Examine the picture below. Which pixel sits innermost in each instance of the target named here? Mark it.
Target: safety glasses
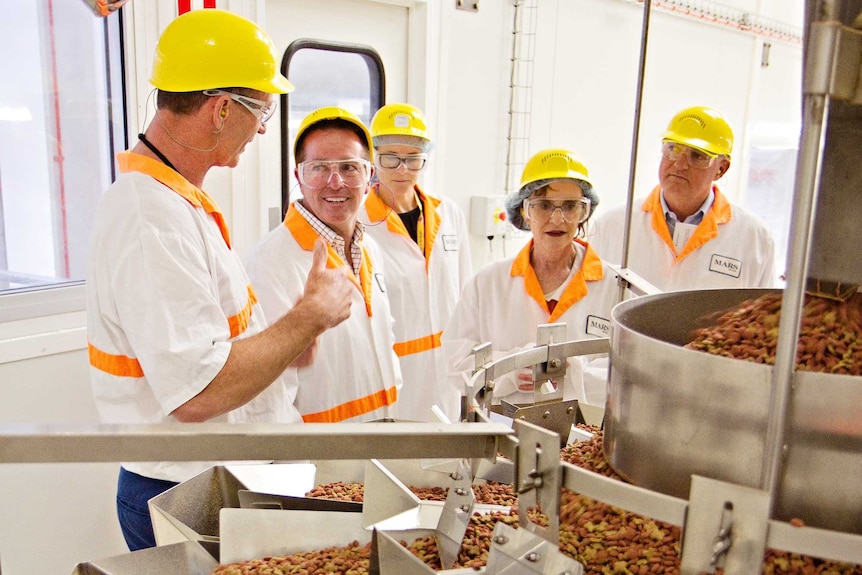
(260, 109)
(394, 161)
(695, 158)
(575, 210)
(317, 173)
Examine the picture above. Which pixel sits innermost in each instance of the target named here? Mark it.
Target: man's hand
(327, 292)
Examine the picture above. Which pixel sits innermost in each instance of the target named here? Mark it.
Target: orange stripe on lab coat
(354, 408)
(239, 323)
(417, 345)
(119, 365)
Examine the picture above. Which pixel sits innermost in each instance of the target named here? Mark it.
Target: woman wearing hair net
(556, 278)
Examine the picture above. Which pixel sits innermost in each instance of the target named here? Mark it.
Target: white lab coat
(730, 248)
(166, 296)
(355, 375)
(504, 304)
(423, 290)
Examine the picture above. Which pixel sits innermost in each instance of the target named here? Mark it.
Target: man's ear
(725, 165)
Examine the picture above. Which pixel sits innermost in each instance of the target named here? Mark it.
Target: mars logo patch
(598, 326)
(726, 266)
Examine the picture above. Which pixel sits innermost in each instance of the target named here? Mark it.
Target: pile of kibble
(830, 333)
(607, 540)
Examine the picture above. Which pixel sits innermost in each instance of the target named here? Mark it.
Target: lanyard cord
(156, 151)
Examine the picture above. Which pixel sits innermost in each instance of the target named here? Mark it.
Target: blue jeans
(133, 492)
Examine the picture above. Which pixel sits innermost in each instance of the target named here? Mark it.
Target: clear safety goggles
(260, 109)
(695, 158)
(393, 161)
(575, 210)
(317, 173)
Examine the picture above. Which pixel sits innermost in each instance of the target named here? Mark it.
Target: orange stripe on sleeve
(354, 408)
(119, 365)
(239, 322)
(418, 345)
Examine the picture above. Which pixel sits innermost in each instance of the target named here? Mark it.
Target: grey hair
(515, 201)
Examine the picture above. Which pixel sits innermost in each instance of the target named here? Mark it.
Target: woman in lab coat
(555, 278)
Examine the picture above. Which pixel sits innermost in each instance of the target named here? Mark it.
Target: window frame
(377, 98)
(69, 296)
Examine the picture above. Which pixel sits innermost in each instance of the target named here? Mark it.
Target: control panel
(488, 216)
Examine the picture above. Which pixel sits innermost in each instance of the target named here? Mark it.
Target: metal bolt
(455, 476)
(570, 410)
(500, 539)
(554, 363)
(532, 556)
(546, 415)
(460, 491)
(465, 508)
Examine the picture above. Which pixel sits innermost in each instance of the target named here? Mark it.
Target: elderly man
(686, 234)
(174, 328)
(352, 372)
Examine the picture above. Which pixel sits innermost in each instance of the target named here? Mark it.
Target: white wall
(54, 516)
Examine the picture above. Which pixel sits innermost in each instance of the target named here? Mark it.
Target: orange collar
(379, 211)
(720, 213)
(305, 235)
(591, 269)
(129, 161)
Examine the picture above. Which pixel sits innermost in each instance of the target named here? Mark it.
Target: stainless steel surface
(26, 443)
(538, 478)
(188, 558)
(520, 552)
(736, 516)
(832, 70)
(673, 413)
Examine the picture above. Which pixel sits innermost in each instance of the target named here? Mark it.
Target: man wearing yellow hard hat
(351, 373)
(174, 328)
(425, 244)
(686, 234)
(555, 278)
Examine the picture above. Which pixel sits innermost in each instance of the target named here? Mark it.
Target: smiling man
(350, 373)
(686, 234)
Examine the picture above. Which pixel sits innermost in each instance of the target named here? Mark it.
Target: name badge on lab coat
(598, 326)
(450, 243)
(725, 265)
(380, 283)
(681, 233)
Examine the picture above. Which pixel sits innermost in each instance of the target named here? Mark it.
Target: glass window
(61, 121)
(349, 76)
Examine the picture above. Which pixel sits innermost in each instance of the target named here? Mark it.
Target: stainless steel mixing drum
(675, 412)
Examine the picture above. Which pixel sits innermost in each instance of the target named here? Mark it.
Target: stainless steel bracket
(725, 527)
(538, 478)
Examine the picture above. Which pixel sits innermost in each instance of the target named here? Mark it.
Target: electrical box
(488, 216)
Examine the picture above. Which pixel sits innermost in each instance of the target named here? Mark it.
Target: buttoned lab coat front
(166, 296)
(504, 304)
(355, 375)
(730, 248)
(423, 290)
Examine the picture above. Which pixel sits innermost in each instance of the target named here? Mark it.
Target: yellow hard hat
(332, 113)
(703, 128)
(554, 163)
(540, 169)
(208, 49)
(400, 124)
